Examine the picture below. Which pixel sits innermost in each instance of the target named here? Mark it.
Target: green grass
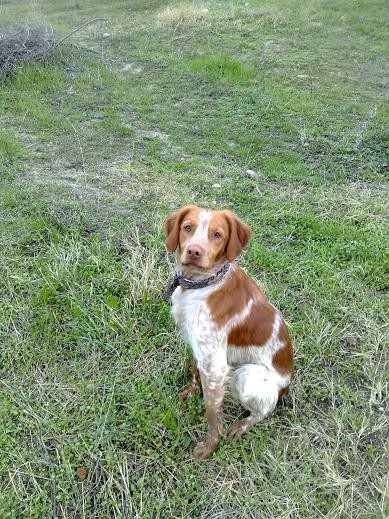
(97, 146)
(221, 66)
(10, 148)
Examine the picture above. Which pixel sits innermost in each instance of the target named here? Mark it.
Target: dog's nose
(195, 251)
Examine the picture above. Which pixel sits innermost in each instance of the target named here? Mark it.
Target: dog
(238, 338)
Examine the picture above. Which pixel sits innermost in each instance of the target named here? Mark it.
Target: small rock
(132, 68)
(216, 186)
(251, 173)
(106, 35)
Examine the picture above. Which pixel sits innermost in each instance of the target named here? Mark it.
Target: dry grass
(95, 156)
(183, 14)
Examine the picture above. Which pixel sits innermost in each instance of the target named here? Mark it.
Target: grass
(221, 66)
(148, 112)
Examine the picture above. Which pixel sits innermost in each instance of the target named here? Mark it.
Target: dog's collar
(180, 280)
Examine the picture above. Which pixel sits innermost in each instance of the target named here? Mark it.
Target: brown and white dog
(236, 335)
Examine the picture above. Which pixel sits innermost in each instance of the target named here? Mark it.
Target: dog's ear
(172, 227)
(240, 234)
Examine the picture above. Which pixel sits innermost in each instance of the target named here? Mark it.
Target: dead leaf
(82, 473)
(351, 341)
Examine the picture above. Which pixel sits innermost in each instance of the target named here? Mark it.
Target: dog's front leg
(213, 377)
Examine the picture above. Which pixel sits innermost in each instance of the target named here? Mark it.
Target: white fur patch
(200, 236)
(208, 341)
(257, 388)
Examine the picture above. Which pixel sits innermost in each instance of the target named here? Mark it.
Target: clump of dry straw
(23, 45)
(28, 43)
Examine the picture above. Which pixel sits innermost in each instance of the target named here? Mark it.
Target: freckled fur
(237, 337)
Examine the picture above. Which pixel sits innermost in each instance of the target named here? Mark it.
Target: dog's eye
(217, 235)
(188, 228)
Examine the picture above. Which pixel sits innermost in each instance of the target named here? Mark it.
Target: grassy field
(275, 110)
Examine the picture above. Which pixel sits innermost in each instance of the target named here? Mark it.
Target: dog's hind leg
(258, 389)
(194, 387)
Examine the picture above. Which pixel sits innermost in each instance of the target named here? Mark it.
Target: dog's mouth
(193, 265)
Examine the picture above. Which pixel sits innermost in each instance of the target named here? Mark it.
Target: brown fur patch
(240, 234)
(283, 391)
(172, 226)
(232, 297)
(283, 359)
(256, 328)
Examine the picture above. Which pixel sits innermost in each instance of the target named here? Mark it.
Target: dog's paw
(186, 395)
(238, 429)
(203, 450)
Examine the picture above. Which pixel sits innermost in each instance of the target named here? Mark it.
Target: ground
(275, 110)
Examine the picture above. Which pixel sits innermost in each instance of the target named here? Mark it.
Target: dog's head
(205, 238)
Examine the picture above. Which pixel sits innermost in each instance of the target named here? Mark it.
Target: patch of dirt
(151, 134)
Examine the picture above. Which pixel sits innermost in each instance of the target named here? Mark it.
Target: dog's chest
(193, 317)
